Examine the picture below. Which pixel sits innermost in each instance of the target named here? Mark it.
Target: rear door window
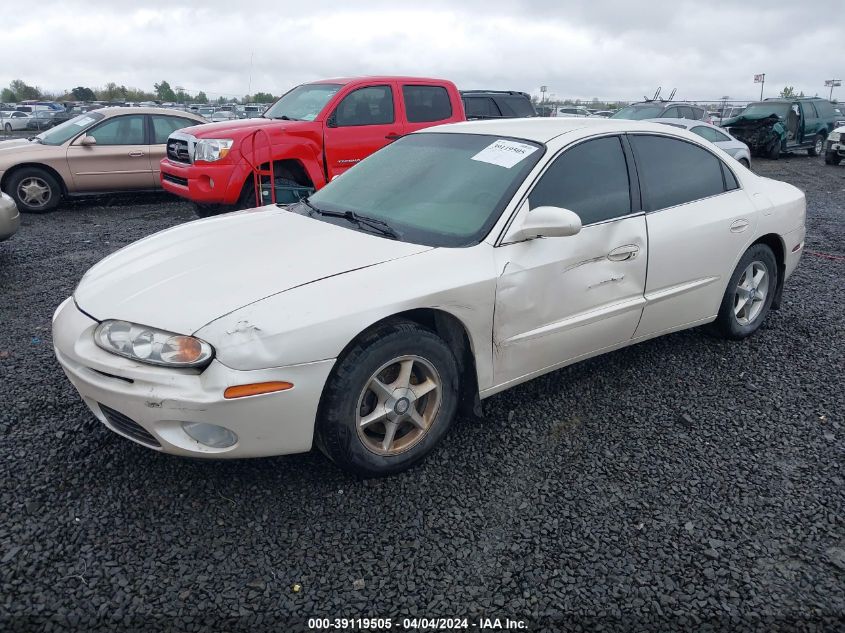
(714, 136)
(674, 172)
(164, 126)
(590, 179)
(672, 113)
(424, 104)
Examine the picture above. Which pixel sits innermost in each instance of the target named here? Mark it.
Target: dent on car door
(562, 298)
(699, 223)
(119, 160)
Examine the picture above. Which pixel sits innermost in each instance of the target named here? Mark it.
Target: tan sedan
(102, 151)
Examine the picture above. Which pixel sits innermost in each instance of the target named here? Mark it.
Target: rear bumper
(148, 404)
(204, 184)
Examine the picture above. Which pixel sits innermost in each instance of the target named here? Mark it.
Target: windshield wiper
(285, 117)
(380, 226)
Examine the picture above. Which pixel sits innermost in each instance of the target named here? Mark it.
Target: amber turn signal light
(241, 391)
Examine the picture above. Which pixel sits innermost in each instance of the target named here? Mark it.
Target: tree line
(19, 90)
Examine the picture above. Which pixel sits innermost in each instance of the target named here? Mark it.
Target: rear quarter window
(516, 106)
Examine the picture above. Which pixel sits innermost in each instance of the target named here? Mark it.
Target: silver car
(10, 219)
(716, 135)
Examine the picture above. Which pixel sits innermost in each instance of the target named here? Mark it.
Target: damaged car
(776, 126)
(457, 262)
(835, 147)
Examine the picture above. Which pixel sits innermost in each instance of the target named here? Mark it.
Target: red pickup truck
(312, 134)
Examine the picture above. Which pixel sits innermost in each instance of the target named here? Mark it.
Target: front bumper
(10, 217)
(835, 147)
(208, 183)
(160, 399)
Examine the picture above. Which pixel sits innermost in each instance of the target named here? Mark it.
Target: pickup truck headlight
(212, 149)
(149, 345)
(836, 137)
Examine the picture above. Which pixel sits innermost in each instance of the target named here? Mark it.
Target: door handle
(739, 226)
(136, 154)
(393, 136)
(623, 253)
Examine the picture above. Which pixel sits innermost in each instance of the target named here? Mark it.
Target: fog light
(210, 434)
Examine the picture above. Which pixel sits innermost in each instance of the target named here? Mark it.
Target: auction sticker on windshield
(84, 121)
(504, 153)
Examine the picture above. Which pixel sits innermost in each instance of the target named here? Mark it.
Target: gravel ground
(687, 483)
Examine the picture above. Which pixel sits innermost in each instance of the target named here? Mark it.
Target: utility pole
(249, 87)
(543, 98)
(760, 79)
(832, 83)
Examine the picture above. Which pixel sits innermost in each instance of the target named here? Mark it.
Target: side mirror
(87, 140)
(546, 222)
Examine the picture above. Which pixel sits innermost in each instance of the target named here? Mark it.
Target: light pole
(832, 83)
(543, 93)
(760, 79)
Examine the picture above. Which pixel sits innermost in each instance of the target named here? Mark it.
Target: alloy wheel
(398, 405)
(751, 292)
(819, 145)
(34, 192)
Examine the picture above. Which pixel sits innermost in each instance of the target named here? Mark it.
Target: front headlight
(149, 345)
(836, 137)
(212, 149)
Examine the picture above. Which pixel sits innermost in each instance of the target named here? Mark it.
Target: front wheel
(389, 400)
(831, 158)
(35, 190)
(818, 146)
(745, 163)
(749, 294)
(8, 128)
(774, 151)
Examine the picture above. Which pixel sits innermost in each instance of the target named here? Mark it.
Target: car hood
(184, 277)
(242, 127)
(19, 145)
(750, 119)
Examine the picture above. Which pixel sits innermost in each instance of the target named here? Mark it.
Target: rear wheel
(831, 158)
(818, 146)
(749, 294)
(389, 400)
(35, 190)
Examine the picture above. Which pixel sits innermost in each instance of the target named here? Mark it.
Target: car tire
(818, 146)
(774, 151)
(34, 190)
(207, 210)
(8, 128)
(831, 158)
(745, 163)
(749, 294)
(370, 422)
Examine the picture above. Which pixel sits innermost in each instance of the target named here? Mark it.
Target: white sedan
(14, 120)
(455, 263)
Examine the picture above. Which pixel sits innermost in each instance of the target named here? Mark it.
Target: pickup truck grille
(177, 150)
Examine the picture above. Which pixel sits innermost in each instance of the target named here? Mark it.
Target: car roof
(543, 130)
(117, 110)
(377, 78)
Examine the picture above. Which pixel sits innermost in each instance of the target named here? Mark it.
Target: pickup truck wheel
(749, 294)
(389, 400)
(35, 190)
(818, 146)
(207, 210)
(831, 158)
(774, 151)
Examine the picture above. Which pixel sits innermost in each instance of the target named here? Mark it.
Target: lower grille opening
(177, 179)
(128, 426)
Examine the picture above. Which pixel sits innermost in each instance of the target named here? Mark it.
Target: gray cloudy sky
(579, 48)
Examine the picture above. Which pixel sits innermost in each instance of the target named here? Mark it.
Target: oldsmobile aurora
(451, 265)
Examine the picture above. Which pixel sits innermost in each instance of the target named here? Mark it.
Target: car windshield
(639, 112)
(765, 109)
(432, 188)
(67, 130)
(303, 103)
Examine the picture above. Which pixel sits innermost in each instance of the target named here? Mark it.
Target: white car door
(563, 298)
(699, 223)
